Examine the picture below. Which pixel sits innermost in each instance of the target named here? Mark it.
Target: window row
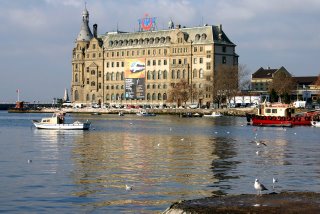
(150, 96)
(146, 41)
(143, 52)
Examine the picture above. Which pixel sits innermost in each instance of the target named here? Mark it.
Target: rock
(286, 202)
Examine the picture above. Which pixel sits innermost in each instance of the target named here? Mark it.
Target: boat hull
(315, 123)
(70, 126)
(279, 121)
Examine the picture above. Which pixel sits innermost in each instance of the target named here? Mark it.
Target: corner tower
(78, 58)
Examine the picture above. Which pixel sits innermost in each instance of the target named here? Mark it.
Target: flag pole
(18, 91)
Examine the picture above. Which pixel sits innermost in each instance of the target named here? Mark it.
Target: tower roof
(85, 32)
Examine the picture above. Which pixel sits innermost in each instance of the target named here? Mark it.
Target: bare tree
(226, 83)
(282, 84)
(180, 92)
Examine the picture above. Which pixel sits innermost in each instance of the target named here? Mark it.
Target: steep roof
(198, 35)
(307, 80)
(264, 73)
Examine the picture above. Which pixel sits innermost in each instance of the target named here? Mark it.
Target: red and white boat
(279, 114)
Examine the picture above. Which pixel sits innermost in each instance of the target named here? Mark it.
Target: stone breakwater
(226, 111)
(285, 202)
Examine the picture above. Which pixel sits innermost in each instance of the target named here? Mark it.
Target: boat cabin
(57, 118)
(275, 110)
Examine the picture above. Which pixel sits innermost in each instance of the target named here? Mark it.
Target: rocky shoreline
(285, 202)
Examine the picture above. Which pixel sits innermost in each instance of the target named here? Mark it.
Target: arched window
(184, 74)
(154, 75)
(154, 96)
(164, 86)
(113, 97)
(76, 78)
(93, 72)
(108, 97)
(93, 83)
(201, 74)
(159, 74)
(87, 97)
(148, 96)
(165, 74)
(107, 76)
(93, 97)
(164, 96)
(112, 76)
(173, 74)
(118, 76)
(149, 75)
(195, 73)
(122, 75)
(122, 96)
(178, 74)
(76, 95)
(117, 97)
(159, 96)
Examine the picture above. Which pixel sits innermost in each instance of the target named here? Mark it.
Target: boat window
(274, 111)
(268, 110)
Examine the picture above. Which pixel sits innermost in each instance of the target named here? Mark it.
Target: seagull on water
(258, 142)
(128, 187)
(274, 181)
(259, 187)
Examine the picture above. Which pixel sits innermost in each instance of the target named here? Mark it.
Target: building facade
(142, 67)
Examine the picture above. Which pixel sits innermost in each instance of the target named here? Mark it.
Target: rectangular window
(112, 64)
(201, 49)
(194, 60)
(87, 80)
(122, 64)
(144, 52)
(154, 62)
(112, 54)
(117, 64)
(174, 61)
(94, 46)
(208, 66)
(201, 60)
(195, 49)
(107, 64)
(224, 49)
(159, 62)
(165, 62)
(224, 60)
(117, 53)
(148, 62)
(185, 61)
(179, 61)
(94, 55)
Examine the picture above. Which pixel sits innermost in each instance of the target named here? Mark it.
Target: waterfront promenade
(168, 111)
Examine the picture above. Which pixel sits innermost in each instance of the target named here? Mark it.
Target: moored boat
(213, 114)
(278, 114)
(145, 114)
(57, 121)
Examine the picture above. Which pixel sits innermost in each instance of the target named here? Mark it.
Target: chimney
(95, 29)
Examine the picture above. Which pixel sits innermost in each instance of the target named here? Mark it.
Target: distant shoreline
(167, 111)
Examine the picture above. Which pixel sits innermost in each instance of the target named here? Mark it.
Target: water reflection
(166, 159)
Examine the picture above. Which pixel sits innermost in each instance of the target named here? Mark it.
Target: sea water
(164, 158)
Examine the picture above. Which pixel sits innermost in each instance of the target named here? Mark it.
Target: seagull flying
(259, 187)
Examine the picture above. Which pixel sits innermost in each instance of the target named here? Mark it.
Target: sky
(37, 36)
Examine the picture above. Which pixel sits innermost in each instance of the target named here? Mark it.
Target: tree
(181, 92)
(282, 84)
(225, 83)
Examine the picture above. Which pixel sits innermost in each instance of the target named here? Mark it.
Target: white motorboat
(145, 114)
(57, 121)
(315, 123)
(213, 114)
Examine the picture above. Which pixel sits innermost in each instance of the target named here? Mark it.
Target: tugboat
(279, 114)
(57, 121)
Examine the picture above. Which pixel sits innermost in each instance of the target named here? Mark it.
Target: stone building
(142, 67)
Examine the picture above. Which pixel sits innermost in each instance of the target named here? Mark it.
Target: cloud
(73, 3)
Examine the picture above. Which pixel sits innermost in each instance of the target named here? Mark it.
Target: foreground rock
(286, 202)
